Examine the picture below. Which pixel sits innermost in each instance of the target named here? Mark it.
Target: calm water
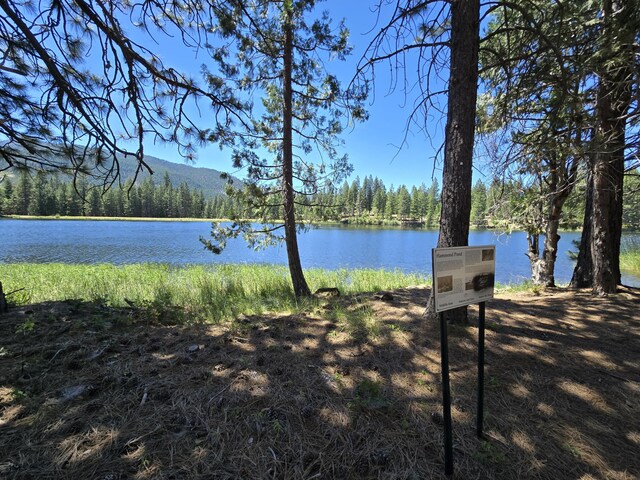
(122, 242)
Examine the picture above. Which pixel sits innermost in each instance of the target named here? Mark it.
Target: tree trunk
(612, 104)
(607, 225)
(300, 287)
(459, 134)
(543, 266)
(550, 248)
(4, 306)
(537, 263)
(583, 271)
(605, 245)
(562, 180)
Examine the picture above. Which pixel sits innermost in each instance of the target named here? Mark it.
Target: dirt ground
(350, 389)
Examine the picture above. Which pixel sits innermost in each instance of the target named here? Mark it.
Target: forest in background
(502, 205)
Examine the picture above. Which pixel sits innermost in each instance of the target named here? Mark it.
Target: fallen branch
(621, 377)
(14, 291)
(144, 396)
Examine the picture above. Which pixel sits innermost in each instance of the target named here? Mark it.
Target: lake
(329, 247)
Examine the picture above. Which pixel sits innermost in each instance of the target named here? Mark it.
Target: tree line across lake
(503, 205)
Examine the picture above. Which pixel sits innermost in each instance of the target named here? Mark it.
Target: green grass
(630, 258)
(209, 293)
(525, 286)
(357, 320)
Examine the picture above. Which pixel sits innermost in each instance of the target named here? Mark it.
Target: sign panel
(463, 275)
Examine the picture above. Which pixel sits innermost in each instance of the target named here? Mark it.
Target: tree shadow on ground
(350, 389)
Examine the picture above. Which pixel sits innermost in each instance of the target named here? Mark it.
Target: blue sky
(374, 147)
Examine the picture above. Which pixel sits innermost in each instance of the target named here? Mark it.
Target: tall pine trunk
(606, 231)
(300, 287)
(607, 166)
(583, 271)
(460, 129)
(551, 238)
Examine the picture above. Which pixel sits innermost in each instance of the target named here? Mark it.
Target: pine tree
(433, 199)
(403, 202)
(21, 195)
(38, 195)
(281, 54)
(479, 204)
(6, 207)
(390, 204)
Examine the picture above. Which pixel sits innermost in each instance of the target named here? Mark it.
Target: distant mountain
(198, 178)
(206, 179)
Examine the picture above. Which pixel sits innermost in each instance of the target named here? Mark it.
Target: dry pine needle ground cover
(349, 390)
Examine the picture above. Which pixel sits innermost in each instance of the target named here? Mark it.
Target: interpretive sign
(463, 275)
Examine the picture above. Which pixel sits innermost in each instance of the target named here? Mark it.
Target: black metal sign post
(446, 398)
(480, 410)
(461, 276)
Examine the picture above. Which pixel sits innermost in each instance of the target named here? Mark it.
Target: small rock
(194, 348)
(71, 393)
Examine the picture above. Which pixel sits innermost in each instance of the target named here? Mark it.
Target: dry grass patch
(348, 389)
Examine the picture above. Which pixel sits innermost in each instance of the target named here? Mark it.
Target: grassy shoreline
(208, 293)
(630, 260)
(197, 293)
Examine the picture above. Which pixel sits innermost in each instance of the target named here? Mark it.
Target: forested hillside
(503, 206)
(45, 195)
(197, 178)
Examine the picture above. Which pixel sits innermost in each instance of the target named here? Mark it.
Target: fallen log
(327, 292)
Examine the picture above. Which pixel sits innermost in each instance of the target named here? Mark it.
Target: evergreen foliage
(495, 205)
(49, 195)
(280, 53)
(75, 85)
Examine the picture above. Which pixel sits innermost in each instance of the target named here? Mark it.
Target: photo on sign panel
(445, 283)
(488, 254)
(482, 281)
